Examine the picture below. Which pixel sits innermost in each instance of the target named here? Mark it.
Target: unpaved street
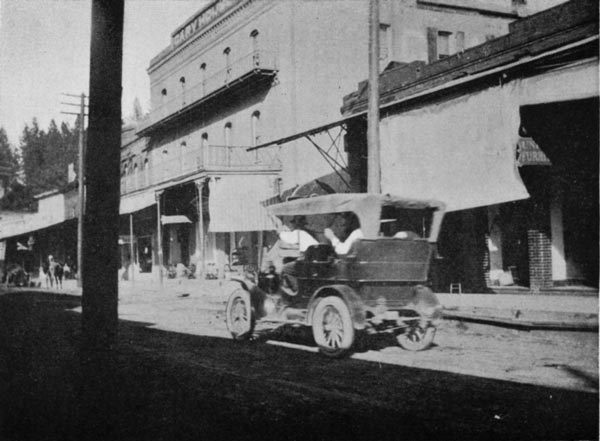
(564, 359)
(165, 384)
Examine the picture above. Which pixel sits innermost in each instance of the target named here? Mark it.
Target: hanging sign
(529, 153)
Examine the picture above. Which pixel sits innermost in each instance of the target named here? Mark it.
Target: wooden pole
(131, 249)
(159, 250)
(374, 164)
(81, 191)
(200, 188)
(101, 221)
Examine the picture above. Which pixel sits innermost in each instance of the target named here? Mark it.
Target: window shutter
(432, 52)
(460, 41)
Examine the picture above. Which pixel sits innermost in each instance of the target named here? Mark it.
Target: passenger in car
(344, 223)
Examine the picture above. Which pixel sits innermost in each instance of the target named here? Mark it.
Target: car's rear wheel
(332, 326)
(239, 317)
(416, 337)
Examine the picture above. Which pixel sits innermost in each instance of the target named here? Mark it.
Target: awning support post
(132, 263)
(159, 249)
(201, 251)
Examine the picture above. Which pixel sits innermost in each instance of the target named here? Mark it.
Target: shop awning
(175, 219)
(461, 152)
(136, 202)
(27, 223)
(235, 203)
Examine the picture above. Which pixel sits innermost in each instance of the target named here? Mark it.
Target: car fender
(247, 284)
(354, 302)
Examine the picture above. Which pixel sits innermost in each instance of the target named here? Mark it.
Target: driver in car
(298, 236)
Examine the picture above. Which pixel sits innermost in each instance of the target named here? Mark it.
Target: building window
(440, 44)
(146, 172)
(203, 78)
(227, 134)
(255, 55)
(163, 96)
(227, 55)
(443, 44)
(182, 82)
(135, 175)
(255, 128)
(182, 154)
(384, 45)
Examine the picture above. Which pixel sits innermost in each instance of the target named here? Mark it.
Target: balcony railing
(257, 63)
(213, 158)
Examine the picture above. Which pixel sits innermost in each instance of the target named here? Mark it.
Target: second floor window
(182, 83)
(443, 44)
(203, 77)
(255, 122)
(227, 134)
(255, 56)
(227, 55)
(384, 45)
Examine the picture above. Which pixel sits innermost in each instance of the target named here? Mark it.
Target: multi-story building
(243, 73)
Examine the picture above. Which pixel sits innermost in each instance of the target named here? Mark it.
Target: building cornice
(218, 14)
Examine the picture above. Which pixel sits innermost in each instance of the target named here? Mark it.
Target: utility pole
(373, 149)
(100, 283)
(80, 180)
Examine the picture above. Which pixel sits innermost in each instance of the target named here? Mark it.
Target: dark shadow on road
(590, 381)
(158, 385)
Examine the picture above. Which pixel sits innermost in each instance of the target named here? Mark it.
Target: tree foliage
(42, 162)
(46, 155)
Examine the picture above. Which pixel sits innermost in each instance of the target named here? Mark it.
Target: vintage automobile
(378, 286)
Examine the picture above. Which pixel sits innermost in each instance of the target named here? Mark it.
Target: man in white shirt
(344, 222)
(300, 238)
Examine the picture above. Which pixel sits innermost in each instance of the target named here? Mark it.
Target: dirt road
(164, 385)
(563, 359)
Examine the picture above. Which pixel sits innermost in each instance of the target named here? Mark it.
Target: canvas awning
(175, 219)
(28, 223)
(132, 203)
(461, 152)
(235, 203)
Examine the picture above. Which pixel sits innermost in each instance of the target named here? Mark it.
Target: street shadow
(589, 380)
(160, 385)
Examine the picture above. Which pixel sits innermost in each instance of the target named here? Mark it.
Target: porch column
(200, 246)
(132, 263)
(559, 262)
(159, 249)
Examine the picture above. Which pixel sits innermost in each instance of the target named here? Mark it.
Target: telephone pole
(374, 160)
(80, 180)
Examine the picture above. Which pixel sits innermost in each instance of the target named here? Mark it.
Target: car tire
(416, 338)
(239, 316)
(332, 326)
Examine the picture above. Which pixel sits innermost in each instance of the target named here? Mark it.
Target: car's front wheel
(332, 326)
(239, 317)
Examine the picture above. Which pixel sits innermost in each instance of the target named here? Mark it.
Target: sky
(45, 47)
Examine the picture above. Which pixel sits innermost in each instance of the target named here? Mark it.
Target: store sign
(529, 153)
